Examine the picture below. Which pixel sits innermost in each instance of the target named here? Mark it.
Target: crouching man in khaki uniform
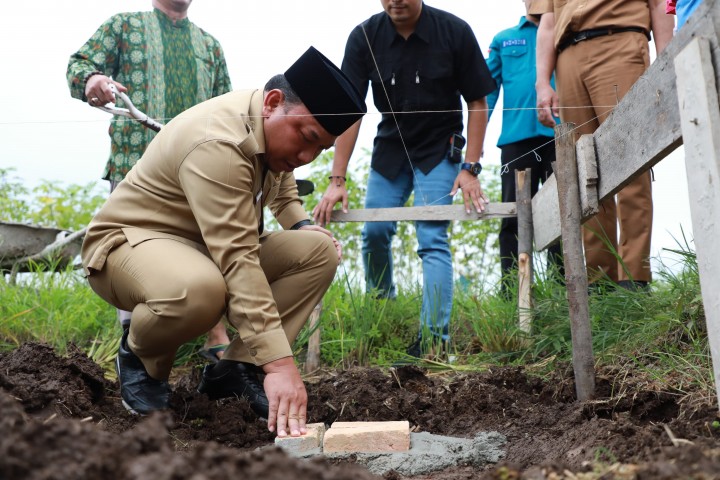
(180, 242)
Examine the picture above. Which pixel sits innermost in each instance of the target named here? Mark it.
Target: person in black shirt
(419, 60)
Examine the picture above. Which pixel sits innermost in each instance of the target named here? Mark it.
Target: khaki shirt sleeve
(538, 7)
(287, 207)
(218, 181)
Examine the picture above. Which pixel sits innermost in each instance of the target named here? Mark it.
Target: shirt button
(253, 352)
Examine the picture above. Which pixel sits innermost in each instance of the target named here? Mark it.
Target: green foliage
(52, 308)
(12, 191)
(66, 207)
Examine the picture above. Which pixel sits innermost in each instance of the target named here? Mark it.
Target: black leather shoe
(141, 394)
(634, 286)
(229, 378)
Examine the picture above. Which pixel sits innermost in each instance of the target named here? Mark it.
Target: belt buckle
(580, 37)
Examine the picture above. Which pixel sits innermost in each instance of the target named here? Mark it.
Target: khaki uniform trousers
(592, 76)
(176, 292)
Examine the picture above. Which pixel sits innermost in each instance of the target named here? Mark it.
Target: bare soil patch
(61, 419)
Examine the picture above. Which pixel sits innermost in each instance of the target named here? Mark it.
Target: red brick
(367, 437)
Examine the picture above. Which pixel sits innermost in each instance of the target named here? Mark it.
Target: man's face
(403, 12)
(293, 137)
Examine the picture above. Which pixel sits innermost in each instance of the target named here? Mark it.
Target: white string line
(121, 118)
(504, 169)
(397, 125)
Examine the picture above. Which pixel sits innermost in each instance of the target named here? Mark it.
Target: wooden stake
(312, 361)
(700, 122)
(523, 196)
(566, 172)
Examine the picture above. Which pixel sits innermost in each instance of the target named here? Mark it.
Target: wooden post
(566, 172)
(700, 122)
(523, 196)
(312, 360)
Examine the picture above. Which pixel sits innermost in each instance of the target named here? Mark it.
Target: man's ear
(272, 100)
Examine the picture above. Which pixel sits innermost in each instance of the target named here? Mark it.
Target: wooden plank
(523, 195)
(546, 219)
(587, 176)
(434, 212)
(700, 114)
(575, 274)
(642, 130)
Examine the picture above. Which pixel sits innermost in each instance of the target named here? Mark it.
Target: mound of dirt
(62, 419)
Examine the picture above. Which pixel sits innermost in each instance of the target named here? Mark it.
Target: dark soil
(61, 419)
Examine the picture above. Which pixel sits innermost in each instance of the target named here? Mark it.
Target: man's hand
(471, 190)
(548, 105)
(287, 398)
(97, 90)
(318, 228)
(335, 193)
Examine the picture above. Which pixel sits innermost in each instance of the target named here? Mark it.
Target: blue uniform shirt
(512, 65)
(684, 9)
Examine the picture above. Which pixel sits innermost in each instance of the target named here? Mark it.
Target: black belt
(577, 37)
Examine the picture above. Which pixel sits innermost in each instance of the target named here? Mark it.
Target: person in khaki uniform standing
(180, 242)
(598, 49)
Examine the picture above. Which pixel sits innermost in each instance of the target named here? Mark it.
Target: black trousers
(519, 156)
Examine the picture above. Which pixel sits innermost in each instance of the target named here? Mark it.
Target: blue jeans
(433, 247)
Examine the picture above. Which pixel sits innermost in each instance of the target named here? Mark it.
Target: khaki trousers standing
(176, 292)
(592, 76)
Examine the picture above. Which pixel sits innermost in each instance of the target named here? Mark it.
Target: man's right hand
(548, 105)
(287, 398)
(335, 193)
(97, 90)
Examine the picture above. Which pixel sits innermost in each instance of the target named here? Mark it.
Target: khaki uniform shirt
(578, 15)
(203, 182)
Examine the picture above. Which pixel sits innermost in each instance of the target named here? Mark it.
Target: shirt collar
(165, 21)
(524, 22)
(256, 119)
(423, 29)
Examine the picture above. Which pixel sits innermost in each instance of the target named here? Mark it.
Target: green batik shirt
(167, 68)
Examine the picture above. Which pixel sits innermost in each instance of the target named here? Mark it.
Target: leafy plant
(67, 207)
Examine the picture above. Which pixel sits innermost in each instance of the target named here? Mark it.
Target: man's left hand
(472, 191)
(318, 228)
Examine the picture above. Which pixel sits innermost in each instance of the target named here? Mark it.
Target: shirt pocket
(516, 60)
(435, 84)
(383, 87)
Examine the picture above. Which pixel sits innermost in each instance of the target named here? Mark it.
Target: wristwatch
(474, 168)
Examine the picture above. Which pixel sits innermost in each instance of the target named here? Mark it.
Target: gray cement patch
(429, 453)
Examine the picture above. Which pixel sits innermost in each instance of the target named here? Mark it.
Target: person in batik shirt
(166, 64)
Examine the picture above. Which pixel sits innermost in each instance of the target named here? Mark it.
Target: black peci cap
(326, 91)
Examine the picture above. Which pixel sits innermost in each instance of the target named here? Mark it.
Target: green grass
(662, 334)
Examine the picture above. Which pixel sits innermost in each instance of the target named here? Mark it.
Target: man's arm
(87, 75)
(337, 191)
(546, 56)
(222, 77)
(494, 64)
(661, 24)
(470, 184)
